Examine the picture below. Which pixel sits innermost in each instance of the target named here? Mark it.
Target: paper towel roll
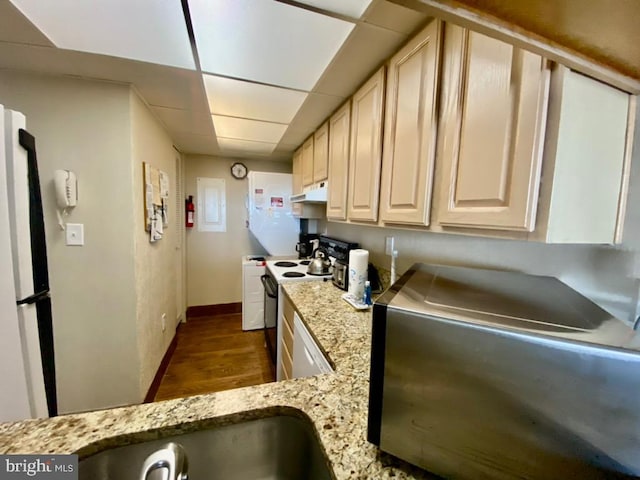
(358, 264)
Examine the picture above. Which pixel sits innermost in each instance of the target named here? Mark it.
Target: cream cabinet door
(307, 162)
(494, 112)
(296, 187)
(410, 129)
(297, 172)
(366, 149)
(320, 153)
(588, 149)
(339, 125)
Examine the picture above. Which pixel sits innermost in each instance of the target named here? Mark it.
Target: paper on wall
(164, 185)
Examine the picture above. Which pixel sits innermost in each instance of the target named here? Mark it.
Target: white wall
(214, 272)
(606, 274)
(155, 263)
(85, 126)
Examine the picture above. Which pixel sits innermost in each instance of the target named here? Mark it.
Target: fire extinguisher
(189, 211)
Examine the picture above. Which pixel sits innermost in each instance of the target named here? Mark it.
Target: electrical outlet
(163, 321)
(388, 245)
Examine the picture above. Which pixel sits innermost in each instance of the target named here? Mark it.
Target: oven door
(270, 314)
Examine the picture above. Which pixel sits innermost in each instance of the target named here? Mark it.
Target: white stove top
(282, 268)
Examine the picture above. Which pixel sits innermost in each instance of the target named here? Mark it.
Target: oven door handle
(267, 287)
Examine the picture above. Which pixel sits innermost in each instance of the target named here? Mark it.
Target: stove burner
(293, 274)
(305, 262)
(285, 264)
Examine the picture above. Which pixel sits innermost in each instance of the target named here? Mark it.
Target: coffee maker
(306, 244)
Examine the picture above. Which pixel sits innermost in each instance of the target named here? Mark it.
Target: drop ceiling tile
(137, 29)
(363, 53)
(265, 41)
(248, 146)
(173, 88)
(184, 121)
(395, 17)
(196, 144)
(238, 98)
(16, 28)
(243, 129)
(351, 8)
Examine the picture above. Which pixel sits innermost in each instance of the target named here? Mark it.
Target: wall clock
(239, 170)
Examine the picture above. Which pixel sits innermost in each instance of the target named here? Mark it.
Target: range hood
(316, 193)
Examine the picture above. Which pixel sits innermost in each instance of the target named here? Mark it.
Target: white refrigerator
(271, 218)
(27, 369)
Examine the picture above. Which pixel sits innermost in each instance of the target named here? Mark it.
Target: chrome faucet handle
(168, 463)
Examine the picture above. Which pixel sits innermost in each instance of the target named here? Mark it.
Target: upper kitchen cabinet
(296, 169)
(410, 129)
(339, 125)
(366, 149)
(320, 153)
(529, 146)
(494, 107)
(296, 187)
(307, 162)
(586, 163)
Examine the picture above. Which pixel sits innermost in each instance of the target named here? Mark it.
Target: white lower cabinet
(252, 296)
(298, 354)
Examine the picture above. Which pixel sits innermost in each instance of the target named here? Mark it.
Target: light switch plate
(75, 233)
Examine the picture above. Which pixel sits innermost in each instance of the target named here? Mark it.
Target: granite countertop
(336, 403)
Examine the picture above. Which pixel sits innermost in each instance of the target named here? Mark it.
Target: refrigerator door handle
(35, 298)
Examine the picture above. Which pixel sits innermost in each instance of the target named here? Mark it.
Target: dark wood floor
(214, 354)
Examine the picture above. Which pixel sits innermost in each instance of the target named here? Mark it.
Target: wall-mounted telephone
(66, 188)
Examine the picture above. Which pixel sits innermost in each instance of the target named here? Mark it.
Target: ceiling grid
(266, 74)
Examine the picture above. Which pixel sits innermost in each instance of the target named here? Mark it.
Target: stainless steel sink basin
(280, 447)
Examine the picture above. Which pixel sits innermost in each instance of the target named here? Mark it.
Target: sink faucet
(168, 463)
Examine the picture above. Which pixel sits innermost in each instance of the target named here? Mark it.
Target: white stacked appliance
(253, 267)
(27, 368)
(271, 222)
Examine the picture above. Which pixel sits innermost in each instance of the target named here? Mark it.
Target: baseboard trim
(162, 369)
(220, 309)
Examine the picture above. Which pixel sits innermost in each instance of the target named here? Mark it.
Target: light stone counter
(335, 403)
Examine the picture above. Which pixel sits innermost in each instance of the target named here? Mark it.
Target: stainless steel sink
(280, 447)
